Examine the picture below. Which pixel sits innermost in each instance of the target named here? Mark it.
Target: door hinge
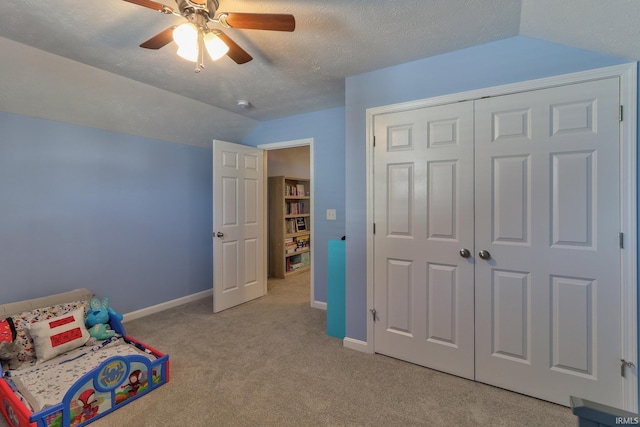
(621, 240)
(620, 113)
(373, 313)
(374, 140)
(625, 364)
(374, 228)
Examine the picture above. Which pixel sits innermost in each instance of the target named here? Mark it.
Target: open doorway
(292, 159)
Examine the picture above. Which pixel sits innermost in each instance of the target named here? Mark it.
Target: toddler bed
(63, 378)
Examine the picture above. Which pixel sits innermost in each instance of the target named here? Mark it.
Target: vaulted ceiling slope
(605, 26)
(291, 73)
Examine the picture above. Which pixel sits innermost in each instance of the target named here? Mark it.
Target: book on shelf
(305, 259)
(297, 244)
(295, 190)
(294, 208)
(294, 263)
(301, 224)
(290, 245)
(293, 266)
(302, 242)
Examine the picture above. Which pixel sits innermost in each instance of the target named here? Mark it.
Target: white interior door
(548, 301)
(423, 217)
(532, 179)
(239, 273)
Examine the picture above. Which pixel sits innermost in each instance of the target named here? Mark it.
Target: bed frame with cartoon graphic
(107, 382)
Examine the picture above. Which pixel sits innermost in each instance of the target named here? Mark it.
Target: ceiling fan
(195, 36)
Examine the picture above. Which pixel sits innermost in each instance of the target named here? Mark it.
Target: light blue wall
(507, 61)
(122, 215)
(129, 216)
(327, 130)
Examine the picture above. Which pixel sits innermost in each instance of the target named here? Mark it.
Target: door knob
(484, 255)
(464, 253)
(219, 234)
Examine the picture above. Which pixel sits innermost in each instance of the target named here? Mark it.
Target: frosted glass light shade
(190, 53)
(216, 47)
(186, 35)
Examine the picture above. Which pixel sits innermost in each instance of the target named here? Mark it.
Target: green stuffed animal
(101, 331)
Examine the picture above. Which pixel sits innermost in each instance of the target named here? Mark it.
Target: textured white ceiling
(303, 71)
(291, 72)
(606, 26)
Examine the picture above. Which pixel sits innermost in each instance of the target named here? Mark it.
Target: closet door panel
(548, 211)
(423, 289)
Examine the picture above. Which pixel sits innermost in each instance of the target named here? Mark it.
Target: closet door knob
(465, 253)
(219, 234)
(484, 255)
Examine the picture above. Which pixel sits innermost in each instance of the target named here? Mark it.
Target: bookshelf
(289, 226)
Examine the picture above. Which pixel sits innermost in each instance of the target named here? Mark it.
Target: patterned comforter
(46, 384)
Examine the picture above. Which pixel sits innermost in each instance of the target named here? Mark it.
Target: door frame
(291, 144)
(628, 195)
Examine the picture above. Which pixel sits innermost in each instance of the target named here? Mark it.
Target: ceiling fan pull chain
(200, 61)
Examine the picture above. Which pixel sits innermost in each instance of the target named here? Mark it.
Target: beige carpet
(270, 363)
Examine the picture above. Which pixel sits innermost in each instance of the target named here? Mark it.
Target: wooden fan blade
(260, 21)
(152, 5)
(160, 39)
(238, 54)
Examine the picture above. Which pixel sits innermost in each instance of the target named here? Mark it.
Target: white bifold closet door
(423, 216)
(528, 183)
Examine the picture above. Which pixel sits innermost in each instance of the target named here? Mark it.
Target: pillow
(58, 335)
(21, 322)
(7, 330)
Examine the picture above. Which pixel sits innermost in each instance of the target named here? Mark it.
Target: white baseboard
(319, 304)
(166, 305)
(355, 344)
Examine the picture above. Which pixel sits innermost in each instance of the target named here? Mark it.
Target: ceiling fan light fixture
(190, 37)
(215, 46)
(186, 35)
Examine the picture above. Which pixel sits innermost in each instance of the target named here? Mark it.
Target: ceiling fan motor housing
(207, 8)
